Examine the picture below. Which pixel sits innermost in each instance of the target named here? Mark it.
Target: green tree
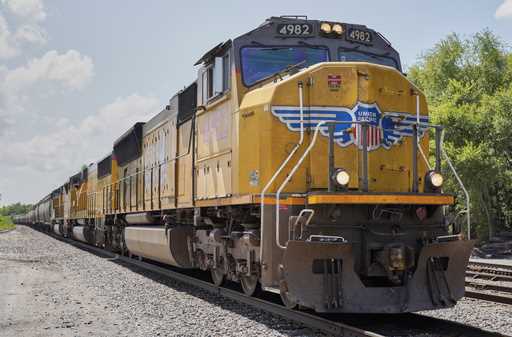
(468, 86)
(15, 209)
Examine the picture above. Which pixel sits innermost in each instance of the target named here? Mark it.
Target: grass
(5, 223)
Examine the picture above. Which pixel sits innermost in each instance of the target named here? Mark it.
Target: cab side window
(215, 78)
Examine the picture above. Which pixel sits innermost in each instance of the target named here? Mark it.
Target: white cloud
(504, 10)
(68, 146)
(31, 34)
(71, 70)
(40, 77)
(31, 10)
(119, 115)
(36, 140)
(28, 14)
(8, 48)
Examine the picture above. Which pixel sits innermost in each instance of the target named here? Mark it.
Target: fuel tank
(78, 233)
(157, 243)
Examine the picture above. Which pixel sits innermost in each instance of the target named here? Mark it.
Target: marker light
(337, 28)
(341, 177)
(326, 27)
(434, 180)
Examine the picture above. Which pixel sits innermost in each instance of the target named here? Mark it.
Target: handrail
(466, 193)
(118, 182)
(289, 177)
(363, 123)
(418, 134)
(281, 167)
(189, 145)
(301, 160)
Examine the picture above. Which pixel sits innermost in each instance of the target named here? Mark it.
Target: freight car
(296, 163)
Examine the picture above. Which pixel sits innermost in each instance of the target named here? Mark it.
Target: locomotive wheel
(250, 284)
(217, 275)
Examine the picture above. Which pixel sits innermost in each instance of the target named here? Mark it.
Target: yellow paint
(102, 196)
(249, 199)
(115, 185)
(265, 141)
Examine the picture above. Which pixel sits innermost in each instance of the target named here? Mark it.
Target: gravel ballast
(50, 288)
(54, 289)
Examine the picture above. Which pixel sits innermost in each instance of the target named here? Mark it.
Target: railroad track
(355, 325)
(489, 281)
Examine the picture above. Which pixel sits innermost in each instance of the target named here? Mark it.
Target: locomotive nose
(323, 276)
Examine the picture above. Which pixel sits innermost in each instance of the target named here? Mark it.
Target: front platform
(321, 275)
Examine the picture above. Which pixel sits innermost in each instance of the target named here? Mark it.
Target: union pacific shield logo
(385, 128)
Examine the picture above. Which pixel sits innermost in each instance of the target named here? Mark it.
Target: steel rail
(487, 290)
(488, 296)
(481, 264)
(488, 286)
(485, 275)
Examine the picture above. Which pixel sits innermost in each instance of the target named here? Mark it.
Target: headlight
(341, 177)
(337, 28)
(326, 27)
(434, 180)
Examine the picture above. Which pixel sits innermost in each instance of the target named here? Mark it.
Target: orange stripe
(287, 201)
(413, 199)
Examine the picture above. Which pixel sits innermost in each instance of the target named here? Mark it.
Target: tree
(468, 86)
(15, 209)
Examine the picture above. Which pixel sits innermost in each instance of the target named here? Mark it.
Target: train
(300, 161)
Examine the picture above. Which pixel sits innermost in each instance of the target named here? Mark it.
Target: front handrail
(289, 177)
(365, 124)
(281, 167)
(461, 184)
(301, 160)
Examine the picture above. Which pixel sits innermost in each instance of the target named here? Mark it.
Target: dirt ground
(37, 299)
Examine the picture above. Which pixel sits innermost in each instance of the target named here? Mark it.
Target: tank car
(298, 163)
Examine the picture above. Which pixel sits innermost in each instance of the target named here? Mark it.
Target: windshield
(357, 56)
(259, 63)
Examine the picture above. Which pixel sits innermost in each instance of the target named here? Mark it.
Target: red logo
(334, 81)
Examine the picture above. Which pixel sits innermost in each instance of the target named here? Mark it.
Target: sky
(74, 75)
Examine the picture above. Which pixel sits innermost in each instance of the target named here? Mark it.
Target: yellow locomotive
(297, 163)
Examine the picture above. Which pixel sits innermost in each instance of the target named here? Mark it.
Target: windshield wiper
(312, 46)
(287, 70)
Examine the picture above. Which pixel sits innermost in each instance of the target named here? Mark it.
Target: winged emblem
(385, 128)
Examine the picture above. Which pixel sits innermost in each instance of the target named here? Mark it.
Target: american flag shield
(373, 136)
(370, 114)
